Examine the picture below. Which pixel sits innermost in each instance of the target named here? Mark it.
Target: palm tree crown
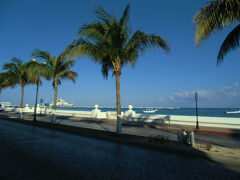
(18, 72)
(109, 42)
(216, 15)
(56, 68)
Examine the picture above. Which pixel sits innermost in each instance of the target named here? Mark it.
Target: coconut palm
(213, 17)
(18, 73)
(109, 42)
(57, 68)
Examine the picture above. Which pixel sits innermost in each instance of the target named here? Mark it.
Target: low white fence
(131, 116)
(221, 122)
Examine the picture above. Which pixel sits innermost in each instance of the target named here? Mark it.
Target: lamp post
(35, 108)
(196, 100)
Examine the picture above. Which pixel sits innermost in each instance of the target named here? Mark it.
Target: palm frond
(6, 80)
(103, 15)
(84, 47)
(93, 31)
(230, 42)
(215, 16)
(140, 42)
(68, 75)
(126, 16)
(41, 54)
(58, 83)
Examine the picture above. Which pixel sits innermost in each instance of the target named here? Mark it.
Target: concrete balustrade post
(20, 113)
(96, 112)
(192, 140)
(54, 118)
(129, 114)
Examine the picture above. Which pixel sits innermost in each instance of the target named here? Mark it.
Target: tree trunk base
(53, 118)
(20, 114)
(119, 124)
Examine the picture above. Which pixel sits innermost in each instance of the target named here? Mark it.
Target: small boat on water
(232, 112)
(150, 110)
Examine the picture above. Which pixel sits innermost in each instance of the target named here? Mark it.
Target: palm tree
(57, 68)
(213, 17)
(108, 41)
(18, 73)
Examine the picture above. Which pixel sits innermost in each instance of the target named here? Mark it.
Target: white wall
(224, 122)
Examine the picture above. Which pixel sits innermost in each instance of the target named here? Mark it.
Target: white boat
(150, 110)
(232, 112)
(62, 103)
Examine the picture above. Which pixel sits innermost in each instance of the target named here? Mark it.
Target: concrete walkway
(169, 132)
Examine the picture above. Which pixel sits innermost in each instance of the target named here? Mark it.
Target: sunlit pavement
(220, 140)
(29, 152)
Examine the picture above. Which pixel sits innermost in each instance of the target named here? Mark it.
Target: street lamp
(196, 100)
(35, 108)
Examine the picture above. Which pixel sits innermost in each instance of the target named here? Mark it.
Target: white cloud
(183, 94)
(171, 98)
(225, 96)
(161, 99)
(236, 84)
(205, 93)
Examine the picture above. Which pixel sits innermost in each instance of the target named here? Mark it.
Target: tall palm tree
(18, 73)
(109, 42)
(213, 17)
(57, 68)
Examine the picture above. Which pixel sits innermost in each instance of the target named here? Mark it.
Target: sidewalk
(218, 136)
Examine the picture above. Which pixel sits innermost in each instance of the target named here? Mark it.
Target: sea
(209, 112)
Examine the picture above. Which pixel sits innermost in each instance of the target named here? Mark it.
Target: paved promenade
(30, 152)
(167, 131)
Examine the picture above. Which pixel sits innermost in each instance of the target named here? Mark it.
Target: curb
(217, 132)
(190, 129)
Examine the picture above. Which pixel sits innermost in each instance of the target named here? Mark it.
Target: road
(29, 152)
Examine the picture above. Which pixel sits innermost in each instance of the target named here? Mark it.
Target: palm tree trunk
(55, 95)
(119, 120)
(21, 103)
(54, 102)
(118, 95)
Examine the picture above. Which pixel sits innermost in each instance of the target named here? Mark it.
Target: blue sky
(158, 79)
